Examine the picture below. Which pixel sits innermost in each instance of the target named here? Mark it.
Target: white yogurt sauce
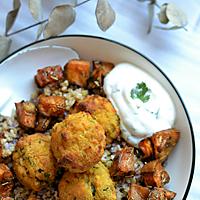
(138, 119)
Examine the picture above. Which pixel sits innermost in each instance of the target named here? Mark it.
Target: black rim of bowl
(130, 48)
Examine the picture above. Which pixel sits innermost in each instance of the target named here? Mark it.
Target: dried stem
(41, 22)
(156, 4)
(81, 3)
(25, 28)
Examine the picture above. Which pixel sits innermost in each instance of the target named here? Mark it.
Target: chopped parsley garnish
(46, 175)
(141, 91)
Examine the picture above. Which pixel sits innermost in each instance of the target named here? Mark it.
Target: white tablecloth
(175, 52)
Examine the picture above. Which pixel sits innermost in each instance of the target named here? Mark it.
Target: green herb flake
(141, 91)
(31, 162)
(93, 189)
(105, 189)
(46, 175)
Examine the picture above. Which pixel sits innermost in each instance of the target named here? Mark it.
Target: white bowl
(17, 72)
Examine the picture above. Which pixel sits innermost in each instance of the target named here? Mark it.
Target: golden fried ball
(33, 161)
(78, 142)
(103, 112)
(95, 184)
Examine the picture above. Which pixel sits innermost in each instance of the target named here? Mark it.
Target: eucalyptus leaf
(175, 15)
(5, 43)
(169, 28)
(162, 16)
(35, 7)
(12, 15)
(60, 18)
(151, 16)
(105, 15)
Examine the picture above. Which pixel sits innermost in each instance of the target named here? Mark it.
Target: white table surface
(175, 52)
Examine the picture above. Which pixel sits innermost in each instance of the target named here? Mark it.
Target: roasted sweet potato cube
(26, 114)
(100, 69)
(5, 173)
(161, 194)
(137, 192)
(154, 174)
(145, 146)
(77, 72)
(0, 150)
(160, 144)
(6, 181)
(5, 190)
(51, 106)
(164, 142)
(47, 75)
(42, 123)
(123, 162)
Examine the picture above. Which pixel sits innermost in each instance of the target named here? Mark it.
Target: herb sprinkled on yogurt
(141, 91)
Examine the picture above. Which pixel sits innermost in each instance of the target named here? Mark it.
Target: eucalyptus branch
(170, 17)
(81, 3)
(41, 22)
(167, 13)
(157, 5)
(28, 27)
